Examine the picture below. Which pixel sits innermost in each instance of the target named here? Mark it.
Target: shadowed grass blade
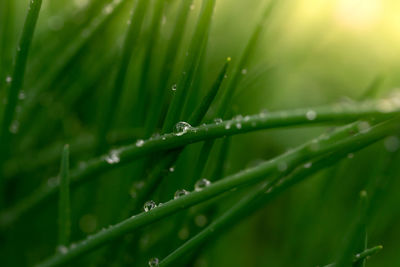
(17, 78)
(64, 214)
(131, 38)
(191, 62)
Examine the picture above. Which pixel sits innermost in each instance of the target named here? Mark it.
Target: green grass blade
(204, 106)
(361, 256)
(17, 78)
(327, 114)
(364, 237)
(343, 138)
(64, 213)
(167, 67)
(67, 57)
(236, 72)
(191, 62)
(148, 62)
(131, 38)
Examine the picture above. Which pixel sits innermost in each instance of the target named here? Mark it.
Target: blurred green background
(312, 52)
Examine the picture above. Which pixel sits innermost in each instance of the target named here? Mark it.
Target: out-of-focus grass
(309, 53)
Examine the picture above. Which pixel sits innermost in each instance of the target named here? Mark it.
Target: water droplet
(181, 128)
(392, 143)
(171, 169)
(308, 165)
(200, 220)
(108, 9)
(53, 182)
(8, 79)
(227, 125)
(113, 157)
(173, 87)
(139, 143)
(311, 115)
(201, 184)
(239, 125)
(21, 95)
(218, 120)
(154, 262)
(350, 155)
(62, 249)
(149, 205)
(14, 127)
(363, 127)
(180, 193)
(244, 71)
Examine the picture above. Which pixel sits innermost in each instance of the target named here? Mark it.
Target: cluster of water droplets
(113, 157)
(181, 128)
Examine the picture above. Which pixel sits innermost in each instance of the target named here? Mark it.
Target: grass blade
(64, 214)
(191, 62)
(129, 45)
(166, 68)
(17, 78)
(361, 256)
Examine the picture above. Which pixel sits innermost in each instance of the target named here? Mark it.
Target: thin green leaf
(64, 214)
(129, 45)
(17, 78)
(191, 62)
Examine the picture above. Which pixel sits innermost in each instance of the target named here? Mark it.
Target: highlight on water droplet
(139, 142)
(180, 193)
(201, 184)
(62, 249)
(14, 127)
(308, 165)
(244, 71)
(311, 115)
(154, 262)
(8, 79)
(171, 169)
(181, 128)
(218, 120)
(149, 205)
(173, 87)
(21, 95)
(113, 157)
(363, 127)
